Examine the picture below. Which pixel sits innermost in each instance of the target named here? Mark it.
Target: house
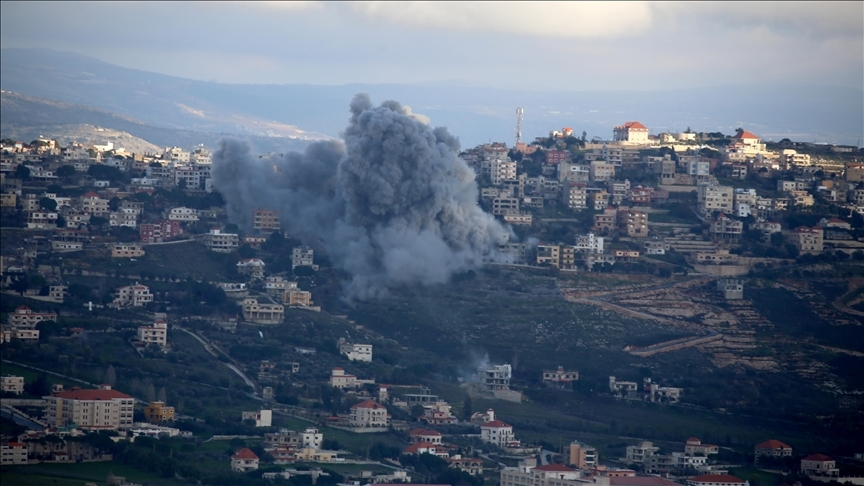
(423, 435)
(834, 223)
(355, 352)
(13, 453)
(656, 247)
(92, 203)
(631, 132)
(807, 239)
(126, 250)
(244, 460)
(124, 217)
(622, 388)
(726, 228)
(694, 446)
(582, 456)
(258, 313)
(24, 318)
(473, 466)
(101, 409)
(607, 220)
(716, 480)
(633, 221)
(418, 448)
(154, 334)
(253, 267)
(497, 377)
(266, 220)
(157, 412)
(819, 465)
(262, 418)
(497, 433)
(12, 384)
(182, 214)
(220, 242)
(340, 379)
(772, 448)
(639, 453)
(369, 414)
(132, 296)
(560, 378)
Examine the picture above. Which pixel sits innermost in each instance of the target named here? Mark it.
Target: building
(631, 132)
(497, 377)
(731, 288)
(606, 221)
(13, 453)
(101, 409)
(574, 195)
(423, 435)
(258, 313)
(556, 157)
(244, 461)
(160, 231)
(12, 384)
(712, 197)
(560, 378)
(340, 379)
(502, 170)
(473, 466)
(266, 220)
(184, 215)
(126, 250)
(807, 239)
(418, 448)
(726, 228)
(155, 334)
(132, 296)
(252, 267)
(220, 242)
(716, 480)
(262, 418)
(157, 412)
(24, 318)
(497, 433)
(355, 352)
(303, 256)
(633, 221)
(93, 204)
(695, 447)
(369, 414)
(582, 455)
(601, 171)
(819, 465)
(772, 448)
(505, 205)
(790, 158)
(639, 453)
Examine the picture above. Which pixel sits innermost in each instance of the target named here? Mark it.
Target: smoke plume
(393, 205)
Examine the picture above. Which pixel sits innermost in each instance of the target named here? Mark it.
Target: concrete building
(102, 409)
(633, 221)
(712, 197)
(154, 334)
(638, 453)
(574, 195)
(258, 313)
(731, 288)
(251, 267)
(606, 221)
(126, 250)
(244, 461)
(355, 352)
(497, 433)
(266, 220)
(369, 414)
(262, 418)
(582, 455)
(694, 446)
(505, 205)
(497, 377)
(157, 412)
(303, 256)
(819, 465)
(160, 231)
(132, 296)
(600, 171)
(92, 203)
(24, 318)
(184, 215)
(807, 239)
(12, 384)
(726, 228)
(340, 379)
(503, 169)
(220, 242)
(772, 448)
(560, 378)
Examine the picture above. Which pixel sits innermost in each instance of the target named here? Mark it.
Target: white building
(631, 132)
(369, 414)
(102, 409)
(244, 460)
(12, 384)
(638, 453)
(262, 418)
(355, 352)
(183, 214)
(132, 296)
(220, 242)
(303, 256)
(498, 433)
(155, 334)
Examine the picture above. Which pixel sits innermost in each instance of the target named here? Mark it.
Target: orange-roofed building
(369, 414)
(244, 460)
(772, 448)
(819, 465)
(423, 435)
(418, 448)
(102, 409)
(13, 453)
(631, 132)
(498, 433)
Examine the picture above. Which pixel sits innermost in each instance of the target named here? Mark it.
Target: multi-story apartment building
(24, 318)
(126, 250)
(160, 231)
(12, 384)
(790, 158)
(355, 352)
(582, 455)
(726, 228)
(601, 171)
(303, 256)
(638, 453)
(502, 170)
(633, 221)
(132, 296)
(102, 409)
(598, 200)
(607, 220)
(712, 197)
(184, 215)
(123, 217)
(266, 220)
(154, 334)
(220, 242)
(259, 313)
(369, 414)
(93, 204)
(807, 239)
(631, 132)
(157, 412)
(505, 205)
(575, 195)
(251, 267)
(618, 191)
(497, 433)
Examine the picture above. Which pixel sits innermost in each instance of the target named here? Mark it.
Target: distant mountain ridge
(475, 115)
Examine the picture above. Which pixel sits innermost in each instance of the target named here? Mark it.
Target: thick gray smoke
(393, 206)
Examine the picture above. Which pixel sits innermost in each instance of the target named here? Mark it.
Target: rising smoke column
(394, 206)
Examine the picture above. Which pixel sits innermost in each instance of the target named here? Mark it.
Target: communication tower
(518, 125)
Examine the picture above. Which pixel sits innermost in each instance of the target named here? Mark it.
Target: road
(212, 350)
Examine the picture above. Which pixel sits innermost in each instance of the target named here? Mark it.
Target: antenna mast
(518, 125)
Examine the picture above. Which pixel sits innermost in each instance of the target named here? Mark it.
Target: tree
(22, 172)
(65, 171)
(114, 203)
(467, 409)
(110, 377)
(232, 228)
(418, 411)
(47, 204)
(47, 329)
(39, 387)
(162, 397)
(246, 251)
(150, 392)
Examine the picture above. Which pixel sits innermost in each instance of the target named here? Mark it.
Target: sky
(525, 45)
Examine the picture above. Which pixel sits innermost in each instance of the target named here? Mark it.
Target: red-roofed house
(418, 448)
(244, 460)
(498, 433)
(24, 318)
(102, 409)
(369, 414)
(819, 465)
(716, 480)
(12, 453)
(631, 132)
(473, 466)
(772, 448)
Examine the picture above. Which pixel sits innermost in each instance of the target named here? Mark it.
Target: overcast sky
(556, 45)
